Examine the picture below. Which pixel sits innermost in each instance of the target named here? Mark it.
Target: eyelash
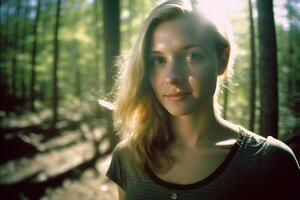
(198, 57)
(157, 60)
(189, 58)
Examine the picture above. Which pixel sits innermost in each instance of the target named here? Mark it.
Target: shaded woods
(57, 61)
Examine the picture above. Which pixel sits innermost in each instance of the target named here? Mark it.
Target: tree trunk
(5, 57)
(23, 50)
(111, 23)
(97, 44)
(15, 47)
(55, 91)
(75, 64)
(252, 70)
(2, 35)
(293, 84)
(33, 56)
(268, 69)
(3, 41)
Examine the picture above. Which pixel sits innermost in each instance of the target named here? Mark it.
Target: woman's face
(183, 66)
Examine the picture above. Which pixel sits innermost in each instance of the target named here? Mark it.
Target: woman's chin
(179, 112)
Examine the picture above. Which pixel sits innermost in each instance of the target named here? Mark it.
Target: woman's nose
(175, 76)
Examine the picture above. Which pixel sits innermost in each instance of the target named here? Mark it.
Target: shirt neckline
(234, 149)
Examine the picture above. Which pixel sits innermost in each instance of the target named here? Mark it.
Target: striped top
(255, 168)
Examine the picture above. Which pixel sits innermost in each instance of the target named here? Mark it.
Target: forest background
(56, 71)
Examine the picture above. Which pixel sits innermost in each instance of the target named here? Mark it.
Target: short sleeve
(116, 171)
(281, 171)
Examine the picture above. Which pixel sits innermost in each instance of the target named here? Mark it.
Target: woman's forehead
(181, 30)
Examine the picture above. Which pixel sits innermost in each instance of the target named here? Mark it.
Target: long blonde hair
(140, 119)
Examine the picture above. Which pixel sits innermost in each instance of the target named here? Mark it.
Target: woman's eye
(194, 57)
(158, 61)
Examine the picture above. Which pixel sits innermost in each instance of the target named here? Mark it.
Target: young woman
(174, 144)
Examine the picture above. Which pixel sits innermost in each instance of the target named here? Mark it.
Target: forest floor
(88, 186)
(66, 163)
(40, 163)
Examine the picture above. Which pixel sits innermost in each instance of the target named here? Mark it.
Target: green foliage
(238, 103)
(133, 14)
(81, 60)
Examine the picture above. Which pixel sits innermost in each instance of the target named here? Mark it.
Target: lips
(177, 95)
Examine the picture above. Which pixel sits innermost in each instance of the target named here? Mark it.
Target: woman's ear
(223, 61)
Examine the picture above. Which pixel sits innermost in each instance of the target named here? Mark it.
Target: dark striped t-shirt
(255, 168)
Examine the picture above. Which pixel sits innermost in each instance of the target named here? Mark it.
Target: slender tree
(97, 43)
(2, 25)
(293, 55)
(24, 48)
(33, 56)
(3, 35)
(5, 55)
(15, 47)
(111, 22)
(268, 69)
(291, 52)
(252, 69)
(55, 65)
(75, 64)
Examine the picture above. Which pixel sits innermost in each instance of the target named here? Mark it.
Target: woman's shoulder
(270, 149)
(121, 165)
(276, 167)
(250, 137)
(122, 149)
(280, 154)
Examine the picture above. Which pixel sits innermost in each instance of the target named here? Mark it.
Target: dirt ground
(57, 155)
(89, 186)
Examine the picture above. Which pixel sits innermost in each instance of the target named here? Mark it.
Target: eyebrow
(195, 45)
(184, 48)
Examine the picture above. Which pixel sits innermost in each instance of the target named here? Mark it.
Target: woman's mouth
(177, 95)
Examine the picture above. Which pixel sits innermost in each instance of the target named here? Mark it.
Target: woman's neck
(196, 129)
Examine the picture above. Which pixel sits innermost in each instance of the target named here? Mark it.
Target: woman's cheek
(156, 83)
(195, 85)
